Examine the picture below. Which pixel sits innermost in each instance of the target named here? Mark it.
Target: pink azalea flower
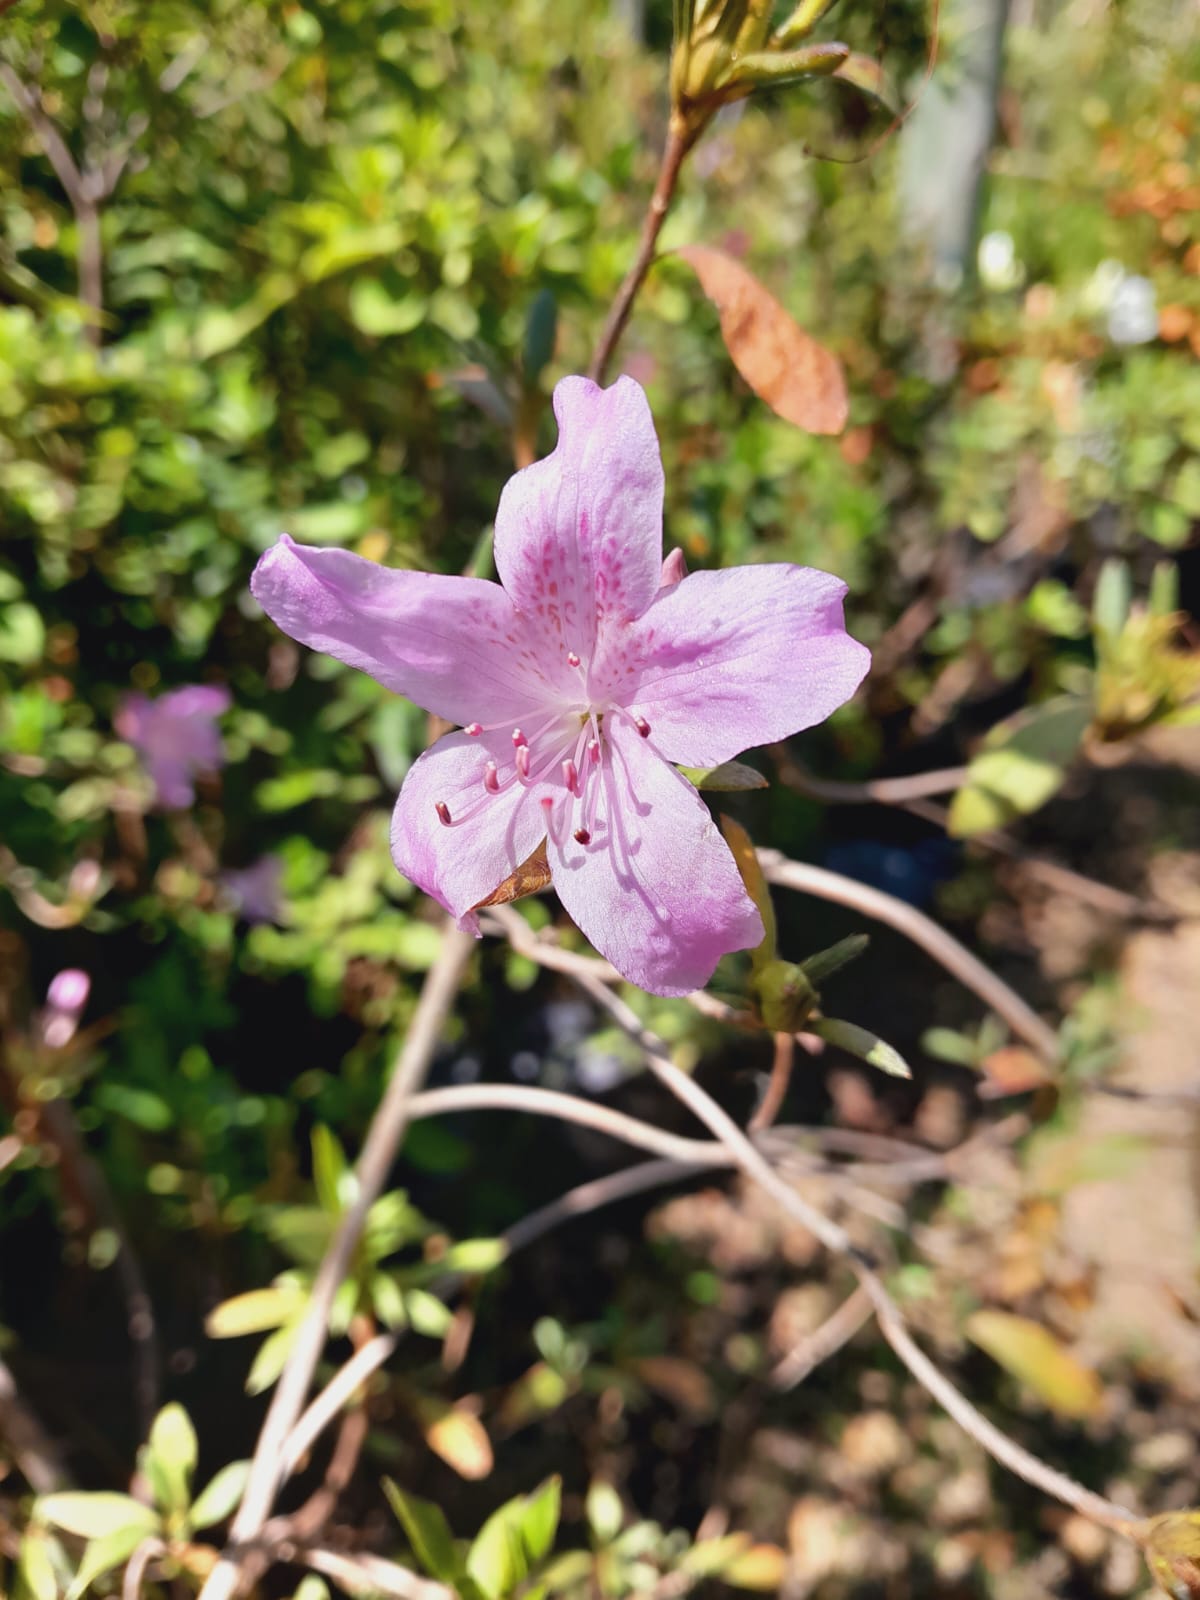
(578, 681)
(176, 736)
(66, 999)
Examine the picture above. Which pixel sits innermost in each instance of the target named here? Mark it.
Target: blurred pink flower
(579, 681)
(176, 737)
(255, 890)
(66, 998)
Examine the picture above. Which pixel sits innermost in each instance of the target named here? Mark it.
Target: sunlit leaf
(1023, 763)
(103, 1554)
(256, 1311)
(218, 1498)
(92, 1516)
(864, 1044)
(169, 1457)
(787, 368)
(729, 777)
(427, 1531)
(1035, 1357)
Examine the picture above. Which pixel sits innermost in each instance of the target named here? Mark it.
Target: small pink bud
(69, 990)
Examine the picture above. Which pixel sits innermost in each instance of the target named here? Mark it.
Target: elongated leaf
(729, 777)
(257, 1311)
(102, 1555)
(787, 368)
(92, 1516)
(745, 856)
(539, 1518)
(1035, 1357)
(868, 75)
(864, 1044)
(1023, 762)
(218, 1498)
(169, 1457)
(427, 1531)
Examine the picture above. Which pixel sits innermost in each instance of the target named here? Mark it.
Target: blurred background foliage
(343, 250)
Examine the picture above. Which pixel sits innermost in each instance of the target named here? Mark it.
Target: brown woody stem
(679, 141)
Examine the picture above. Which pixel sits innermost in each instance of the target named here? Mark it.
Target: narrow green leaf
(744, 855)
(539, 1520)
(801, 22)
(272, 1353)
(254, 1312)
(92, 1516)
(1113, 597)
(169, 1457)
(864, 1044)
(427, 1531)
(218, 1498)
(102, 1555)
(497, 1559)
(475, 1255)
(1022, 764)
(331, 1172)
(729, 777)
(35, 1567)
(428, 1314)
(541, 335)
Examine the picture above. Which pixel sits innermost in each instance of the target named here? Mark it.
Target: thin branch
(368, 1575)
(814, 1348)
(570, 1108)
(756, 1167)
(337, 1392)
(875, 791)
(383, 1138)
(29, 1444)
(923, 931)
(777, 1084)
(679, 142)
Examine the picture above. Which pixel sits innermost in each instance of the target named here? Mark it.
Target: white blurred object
(1133, 313)
(997, 261)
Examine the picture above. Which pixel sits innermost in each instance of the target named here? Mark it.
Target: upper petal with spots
(579, 535)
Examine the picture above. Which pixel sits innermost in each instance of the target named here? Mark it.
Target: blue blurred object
(910, 872)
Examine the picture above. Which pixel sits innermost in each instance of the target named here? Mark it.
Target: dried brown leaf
(798, 377)
(531, 877)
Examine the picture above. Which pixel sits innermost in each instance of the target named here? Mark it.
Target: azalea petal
(725, 661)
(656, 890)
(579, 535)
(489, 836)
(454, 645)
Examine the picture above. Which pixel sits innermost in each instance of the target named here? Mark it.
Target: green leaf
(257, 1311)
(1112, 598)
(374, 311)
(751, 872)
(92, 1516)
(35, 1567)
(22, 634)
(729, 777)
(102, 1555)
(539, 1520)
(541, 335)
(427, 1531)
(475, 1255)
(802, 21)
(1023, 763)
(760, 68)
(1035, 1357)
(868, 75)
(222, 1493)
(497, 1559)
(387, 1298)
(332, 1177)
(864, 1044)
(605, 1513)
(169, 1458)
(272, 1353)
(428, 1314)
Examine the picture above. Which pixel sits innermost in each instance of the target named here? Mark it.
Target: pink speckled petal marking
(656, 890)
(489, 834)
(725, 661)
(579, 535)
(453, 645)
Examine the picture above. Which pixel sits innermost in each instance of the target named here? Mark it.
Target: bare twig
(777, 1084)
(28, 1442)
(139, 1561)
(756, 1167)
(875, 791)
(679, 142)
(825, 1341)
(383, 1138)
(341, 1388)
(570, 1108)
(368, 1574)
(922, 930)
